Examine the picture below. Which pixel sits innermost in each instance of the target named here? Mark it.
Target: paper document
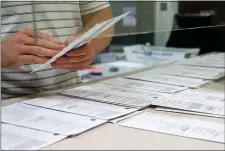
(82, 107)
(135, 53)
(187, 112)
(195, 101)
(192, 71)
(186, 127)
(151, 86)
(212, 60)
(169, 79)
(48, 120)
(92, 33)
(197, 95)
(116, 95)
(124, 117)
(126, 64)
(20, 138)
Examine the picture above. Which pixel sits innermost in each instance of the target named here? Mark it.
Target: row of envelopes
(171, 88)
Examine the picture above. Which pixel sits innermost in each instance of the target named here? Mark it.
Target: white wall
(149, 18)
(164, 22)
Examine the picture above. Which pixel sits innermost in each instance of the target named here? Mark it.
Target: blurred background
(164, 16)
(160, 32)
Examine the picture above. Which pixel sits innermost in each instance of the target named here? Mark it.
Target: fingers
(31, 59)
(24, 39)
(63, 60)
(73, 65)
(29, 32)
(38, 51)
(87, 54)
(40, 35)
(76, 60)
(46, 48)
(82, 51)
(49, 44)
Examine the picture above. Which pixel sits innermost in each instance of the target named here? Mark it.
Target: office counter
(112, 136)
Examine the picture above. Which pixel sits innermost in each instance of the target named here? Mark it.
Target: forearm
(104, 39)
(99, 44)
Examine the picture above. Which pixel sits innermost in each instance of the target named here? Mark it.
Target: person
(58, 23)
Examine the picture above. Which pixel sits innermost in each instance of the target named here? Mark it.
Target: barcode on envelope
(211, 98)
(195, 106)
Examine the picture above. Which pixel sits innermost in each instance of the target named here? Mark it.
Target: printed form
(197, 101)
(48, 120)
(124, 117)
(197, 95)
(169, 79)
(20, 138)
(212, 60)
(192, 71)
(185, 127)
(116, 95)
(82, 107)
(187, 112)
(151, 86)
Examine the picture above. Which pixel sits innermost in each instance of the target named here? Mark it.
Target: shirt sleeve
(87, 7)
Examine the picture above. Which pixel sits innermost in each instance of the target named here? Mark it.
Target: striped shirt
(57, 18)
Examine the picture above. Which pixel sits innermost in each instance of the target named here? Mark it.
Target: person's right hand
(21, 49)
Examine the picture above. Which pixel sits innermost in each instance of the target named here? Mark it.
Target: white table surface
(114, 137)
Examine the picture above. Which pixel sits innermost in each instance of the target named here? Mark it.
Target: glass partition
(160, 32)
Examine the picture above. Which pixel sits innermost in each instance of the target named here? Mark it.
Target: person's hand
(21, 49)
(78, 59)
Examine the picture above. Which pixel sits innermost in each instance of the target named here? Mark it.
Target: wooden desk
(114, 137)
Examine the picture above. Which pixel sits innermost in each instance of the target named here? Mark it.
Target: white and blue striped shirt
(57, 18)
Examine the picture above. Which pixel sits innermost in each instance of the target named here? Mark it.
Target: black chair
(207, 39)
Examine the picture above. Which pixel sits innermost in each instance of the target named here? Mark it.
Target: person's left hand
(78, 59)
